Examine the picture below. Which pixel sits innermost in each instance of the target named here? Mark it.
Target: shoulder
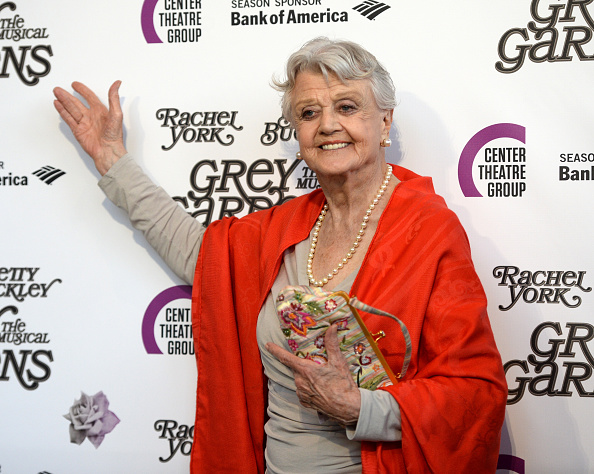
(416, 193)
(418, 210)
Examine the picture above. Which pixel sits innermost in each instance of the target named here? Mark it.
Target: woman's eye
(346, 108)
(307, 114)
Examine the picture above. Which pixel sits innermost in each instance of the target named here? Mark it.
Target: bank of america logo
(370, 9)
(48, 174)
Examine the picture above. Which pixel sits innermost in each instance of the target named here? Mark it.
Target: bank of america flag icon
(370, 9)
(48, 174)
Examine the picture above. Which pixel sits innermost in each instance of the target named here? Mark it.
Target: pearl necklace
(349, 255)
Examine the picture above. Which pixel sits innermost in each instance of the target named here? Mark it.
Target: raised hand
(99, 130)
(328, 388)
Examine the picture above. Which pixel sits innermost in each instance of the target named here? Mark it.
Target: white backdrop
(86, 305)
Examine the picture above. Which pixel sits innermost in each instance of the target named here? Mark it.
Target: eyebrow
(346, 95)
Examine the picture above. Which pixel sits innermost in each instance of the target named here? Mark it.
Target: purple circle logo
(153, 310)
(511, 463)
(146, 20)
(478, 141)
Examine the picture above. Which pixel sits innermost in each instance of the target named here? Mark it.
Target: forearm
(172, 232)
(379, 418)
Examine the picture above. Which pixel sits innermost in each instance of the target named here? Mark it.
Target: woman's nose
(329, 122)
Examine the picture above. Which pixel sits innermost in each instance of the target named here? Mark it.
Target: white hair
(346, 60)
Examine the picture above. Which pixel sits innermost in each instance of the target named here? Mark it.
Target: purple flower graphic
(297, 320)
(90, 418)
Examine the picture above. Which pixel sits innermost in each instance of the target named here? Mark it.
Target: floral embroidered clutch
(305, 313)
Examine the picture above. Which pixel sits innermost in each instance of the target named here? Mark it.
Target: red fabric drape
(419, 268)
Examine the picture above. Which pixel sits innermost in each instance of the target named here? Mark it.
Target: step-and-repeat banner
(495, 102)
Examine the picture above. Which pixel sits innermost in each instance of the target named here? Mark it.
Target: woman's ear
(387, 121)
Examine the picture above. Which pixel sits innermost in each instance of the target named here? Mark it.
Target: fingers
(284, 356)
(332, 345)
(305, 396)
(114, 99)
(65, 115)
(331, 340)
(73, 111)
(69, 107)
(336, 359)
(87, 93)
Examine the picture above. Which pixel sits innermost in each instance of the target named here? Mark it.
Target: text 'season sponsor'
(495, 161)
(24, 52)
(266, 13)
(559, 31)
(25, 356)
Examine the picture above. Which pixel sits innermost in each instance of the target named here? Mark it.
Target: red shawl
(418, 267)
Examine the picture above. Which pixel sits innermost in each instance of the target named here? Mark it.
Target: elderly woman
(373, 230)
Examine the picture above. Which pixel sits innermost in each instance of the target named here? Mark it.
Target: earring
(298, 155)
(386, 142)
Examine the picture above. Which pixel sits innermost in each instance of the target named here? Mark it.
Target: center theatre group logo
(181, 20)
(29, 62)
(503, 167)
(30, 365)
(559, 33)
(168, 315)
(551, 287)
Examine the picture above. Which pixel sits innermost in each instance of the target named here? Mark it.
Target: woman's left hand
(328, 388)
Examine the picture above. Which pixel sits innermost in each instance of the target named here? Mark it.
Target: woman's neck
(350, 196)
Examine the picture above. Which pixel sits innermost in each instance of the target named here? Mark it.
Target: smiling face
(339, 125)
